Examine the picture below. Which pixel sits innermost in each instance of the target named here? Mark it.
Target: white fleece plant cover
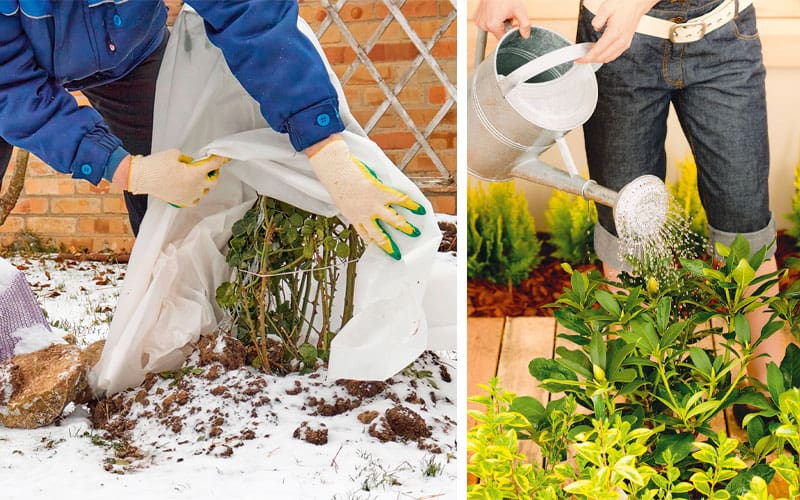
(177, 263)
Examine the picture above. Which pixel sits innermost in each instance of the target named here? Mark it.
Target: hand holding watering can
(525, 97)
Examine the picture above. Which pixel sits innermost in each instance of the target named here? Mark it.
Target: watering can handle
(543, 63)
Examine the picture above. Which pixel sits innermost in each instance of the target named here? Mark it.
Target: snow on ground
(204, 433)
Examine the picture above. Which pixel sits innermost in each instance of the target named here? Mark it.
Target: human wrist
(315, 148)
(121, 176)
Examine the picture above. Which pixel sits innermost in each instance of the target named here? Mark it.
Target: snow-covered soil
(210, 432)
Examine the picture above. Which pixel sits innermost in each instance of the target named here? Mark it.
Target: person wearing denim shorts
(716, 85)
(717, 88)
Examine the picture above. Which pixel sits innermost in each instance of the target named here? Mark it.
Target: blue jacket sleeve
(39, 115)
(276, 64)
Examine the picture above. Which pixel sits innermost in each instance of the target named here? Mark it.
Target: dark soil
(548, 281)
(246, 405)
(449, 237)
(314, 436)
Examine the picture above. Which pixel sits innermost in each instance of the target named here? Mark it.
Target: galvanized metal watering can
(525, 97)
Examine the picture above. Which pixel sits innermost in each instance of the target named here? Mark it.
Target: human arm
(37, 114)
(620, 19)
(491, 16)
(277, 65)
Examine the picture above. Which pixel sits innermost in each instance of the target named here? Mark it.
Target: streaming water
(653, 251)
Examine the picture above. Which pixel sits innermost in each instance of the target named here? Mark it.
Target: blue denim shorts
(717, 88)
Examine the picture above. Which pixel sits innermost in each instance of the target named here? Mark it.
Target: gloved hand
(173, 176)
(361, 197)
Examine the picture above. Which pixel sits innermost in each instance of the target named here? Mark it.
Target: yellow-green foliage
(794, 216)
(685, 199)
(571, 220)
(501, 239)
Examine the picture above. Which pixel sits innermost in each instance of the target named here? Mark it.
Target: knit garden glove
(174, 177)
(361, 197)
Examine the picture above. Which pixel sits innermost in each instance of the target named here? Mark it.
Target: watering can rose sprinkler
(526, 97)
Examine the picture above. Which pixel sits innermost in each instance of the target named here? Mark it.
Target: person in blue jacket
(111, 50)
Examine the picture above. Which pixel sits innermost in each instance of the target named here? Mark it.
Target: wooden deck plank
(523, 340)
(484, 336)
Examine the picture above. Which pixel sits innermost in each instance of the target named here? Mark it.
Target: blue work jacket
(50, 46)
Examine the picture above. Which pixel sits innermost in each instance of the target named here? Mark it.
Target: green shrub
(287, 264)
(685, 199)
(650, 391)
(571, 220)
(794, 216)
(501, 240)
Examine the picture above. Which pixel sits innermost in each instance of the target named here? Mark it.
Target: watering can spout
(540, 172)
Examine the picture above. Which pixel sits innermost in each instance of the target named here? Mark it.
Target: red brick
(52, 225)
(331, 35)
(373, 96)
(334, 54)
(354, 95)
(74, 245)
(114, 205)
(445, 48)
(36, 167)
(103, 225)
(41, 185)
(114, 244)
(35, 205)
(437, 94)
(13, 224)
(443, 204)
(363, 76)
(394, 140)
(87, 188)
(387, 121)
(357, 11)
(412, 95)
(72, 205)
(363, 31)
(413, 8)
(393, 52)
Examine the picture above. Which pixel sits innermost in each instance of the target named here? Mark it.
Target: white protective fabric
(167, 299)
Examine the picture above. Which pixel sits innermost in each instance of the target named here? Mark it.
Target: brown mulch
(548, 281)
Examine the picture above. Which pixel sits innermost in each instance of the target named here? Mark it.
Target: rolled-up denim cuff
(606, 246)
(757, 239)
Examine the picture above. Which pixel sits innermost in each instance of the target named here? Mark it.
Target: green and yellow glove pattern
(174, 177)
(361, 196)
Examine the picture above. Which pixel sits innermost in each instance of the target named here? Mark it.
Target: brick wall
(79, 216)
(393, 55)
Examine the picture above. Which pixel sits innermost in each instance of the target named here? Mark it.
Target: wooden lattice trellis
(333, 7)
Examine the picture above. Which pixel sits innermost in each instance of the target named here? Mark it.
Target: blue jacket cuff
(95, 153)
(311, 125)
(113, 162)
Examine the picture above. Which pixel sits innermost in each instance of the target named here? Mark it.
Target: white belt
(690, 31)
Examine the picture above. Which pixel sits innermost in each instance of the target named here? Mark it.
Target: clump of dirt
(362, 389)
(444, 374)
(339, 406)
(308, 434)
(223, 349)
(366, 417)
(449, 241)
(406, 423)
(213, 410)
(400, 422)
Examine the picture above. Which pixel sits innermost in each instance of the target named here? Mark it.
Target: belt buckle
(673, 31)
